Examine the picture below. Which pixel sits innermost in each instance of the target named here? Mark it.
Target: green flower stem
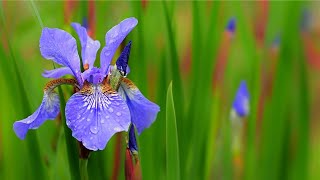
(83, 169)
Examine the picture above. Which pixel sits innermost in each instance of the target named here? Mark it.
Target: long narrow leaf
(173, 162)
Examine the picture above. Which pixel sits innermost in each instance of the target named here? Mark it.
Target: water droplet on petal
(117, 129)
(88, 119)
(107, 53)
(110, 109)
(102, 121)
(94, 129)
(118, 113)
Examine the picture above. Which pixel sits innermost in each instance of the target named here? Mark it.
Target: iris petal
(61, 47)
(89, 47)
(93, 75)
(143, 112)
(48, 110)
(113, 39)
(57, 73)
(95, 114)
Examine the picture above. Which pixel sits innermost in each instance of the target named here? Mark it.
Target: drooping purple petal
(57, 73)
(143, 112)
(132, 144)
(241, 101)
(89, 47)
(61, 47)
(122, 61)
(95, 114)
(48, 110)
(93, 75)
(113, 39)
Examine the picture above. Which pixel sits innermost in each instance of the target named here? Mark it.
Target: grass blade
(173, 163)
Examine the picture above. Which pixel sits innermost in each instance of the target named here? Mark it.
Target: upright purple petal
(143, 112)
(113, 39)
(61, 47)
(48, 110)
(241, 101)
(95, 114)
(57, 73)
(89, 47)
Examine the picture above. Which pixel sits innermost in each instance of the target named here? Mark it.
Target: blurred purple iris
(103, 104)
(241, 101)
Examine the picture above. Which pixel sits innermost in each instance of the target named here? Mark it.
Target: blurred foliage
(186, 43)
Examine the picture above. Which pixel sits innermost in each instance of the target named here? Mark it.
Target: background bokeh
(275, 49)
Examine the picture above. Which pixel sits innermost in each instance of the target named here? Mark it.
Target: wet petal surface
(143, 112)
(113, 38)
(95, 114)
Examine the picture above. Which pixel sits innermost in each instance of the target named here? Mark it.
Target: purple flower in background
(241, 102)
(231, 26)
(105, 102)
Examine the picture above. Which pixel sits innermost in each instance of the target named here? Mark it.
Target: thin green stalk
(83, 164)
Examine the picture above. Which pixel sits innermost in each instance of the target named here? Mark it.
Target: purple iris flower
(241, 101)
(105, 102)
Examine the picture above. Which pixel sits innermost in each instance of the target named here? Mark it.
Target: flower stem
(83, 169)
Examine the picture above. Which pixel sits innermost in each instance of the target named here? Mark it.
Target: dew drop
(118, 113)
(88, 119)
(116, 129)
(102, 121)
(107, 117)
(111, 41)
(110, 109)
(94, 129)
(107, 53)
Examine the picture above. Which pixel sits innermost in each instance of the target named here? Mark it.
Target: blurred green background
(275, 48)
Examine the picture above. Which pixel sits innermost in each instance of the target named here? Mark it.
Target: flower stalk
(83, 164)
